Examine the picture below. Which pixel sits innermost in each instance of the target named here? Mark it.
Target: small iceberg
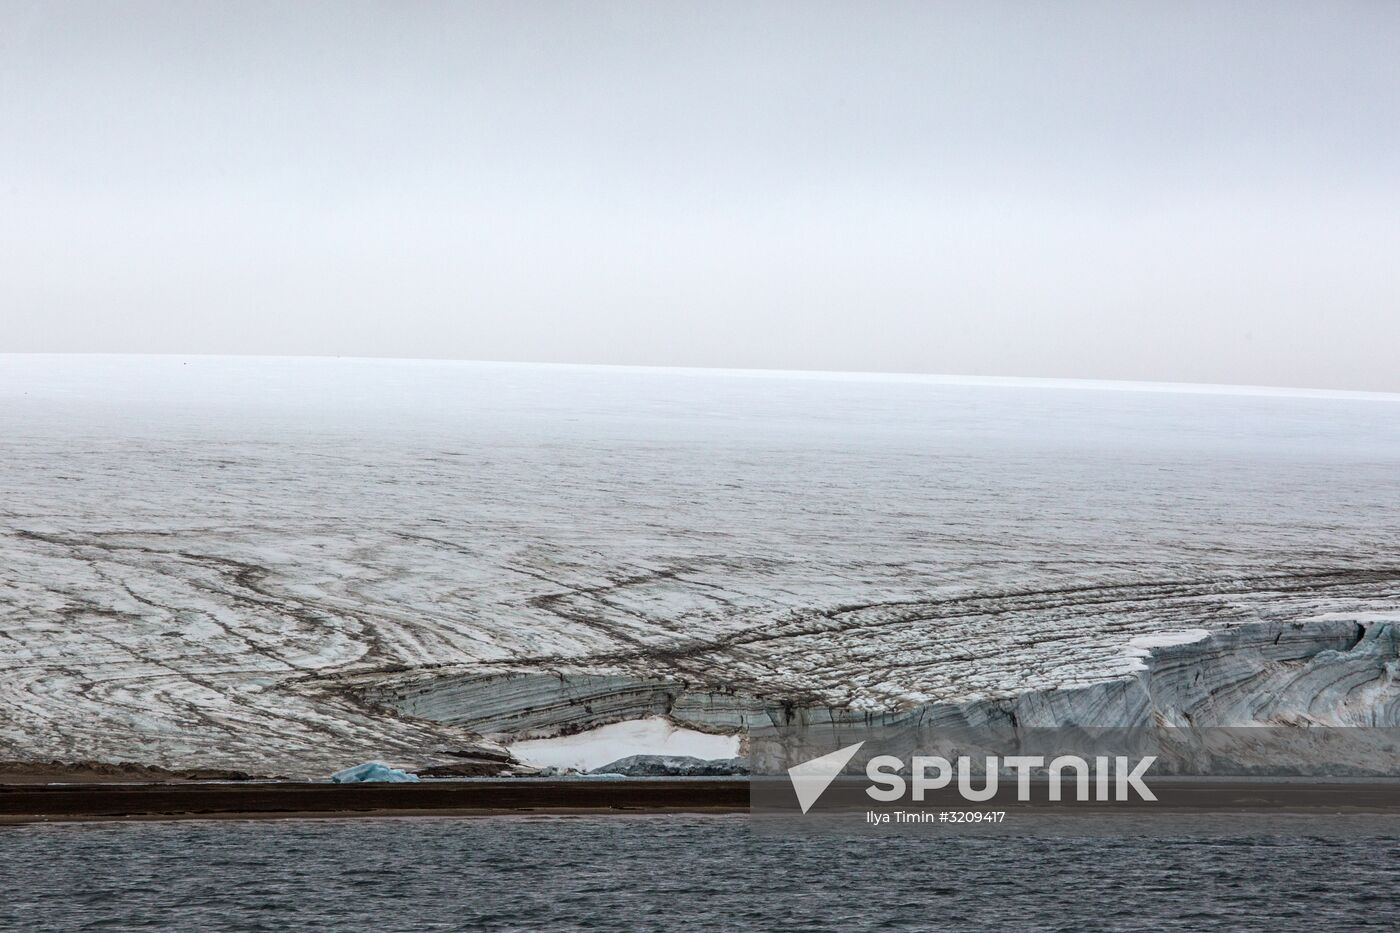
(372, 772)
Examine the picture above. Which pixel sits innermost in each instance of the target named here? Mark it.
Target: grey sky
(1200, 192)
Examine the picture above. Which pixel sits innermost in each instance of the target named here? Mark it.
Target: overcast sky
(1200, 192)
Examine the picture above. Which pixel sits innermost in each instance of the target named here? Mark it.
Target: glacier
(287, 565)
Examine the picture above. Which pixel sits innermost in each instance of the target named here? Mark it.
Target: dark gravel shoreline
(26, 803)
(36, 803)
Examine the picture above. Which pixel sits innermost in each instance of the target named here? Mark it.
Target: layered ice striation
(284, 565)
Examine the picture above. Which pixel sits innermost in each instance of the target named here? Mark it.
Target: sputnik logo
(811, 778)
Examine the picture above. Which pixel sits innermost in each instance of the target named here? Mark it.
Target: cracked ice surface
(191, 548)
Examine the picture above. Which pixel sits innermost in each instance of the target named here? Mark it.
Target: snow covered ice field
(289, 565)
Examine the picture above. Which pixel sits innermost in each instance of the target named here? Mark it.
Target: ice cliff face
(1316, 698)
(1235, 690)
(288, 565)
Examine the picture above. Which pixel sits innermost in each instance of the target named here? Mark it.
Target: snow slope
(244, 562)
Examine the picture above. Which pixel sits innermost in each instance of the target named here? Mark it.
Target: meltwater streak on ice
(194, 550)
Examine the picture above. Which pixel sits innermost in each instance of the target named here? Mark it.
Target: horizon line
(1000, 381)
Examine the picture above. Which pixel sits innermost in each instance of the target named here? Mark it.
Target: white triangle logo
(811, 778)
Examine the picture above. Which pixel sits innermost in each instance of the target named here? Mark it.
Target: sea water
(672, 872)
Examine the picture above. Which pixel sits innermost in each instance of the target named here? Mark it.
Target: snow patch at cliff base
(585, 751)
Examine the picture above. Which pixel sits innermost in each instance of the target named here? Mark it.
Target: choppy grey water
(669, 873)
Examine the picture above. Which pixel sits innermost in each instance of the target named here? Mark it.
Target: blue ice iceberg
(372, 771)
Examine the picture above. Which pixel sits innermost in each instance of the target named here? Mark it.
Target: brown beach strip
(1174, 794)
(28, 803)
(52, 802)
